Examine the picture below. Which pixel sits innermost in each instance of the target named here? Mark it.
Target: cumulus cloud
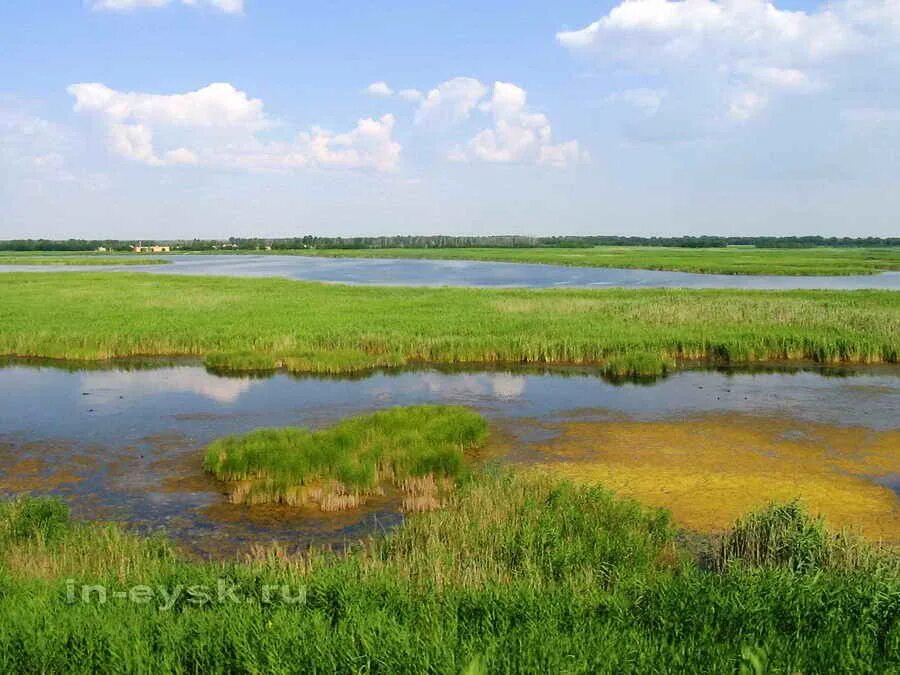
(518, 134)
(451, 101)
(379, 88)
(219, 126)
(748, 52)
(226, 6)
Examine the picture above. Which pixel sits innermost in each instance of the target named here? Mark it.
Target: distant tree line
(499, 241)
(65, 244)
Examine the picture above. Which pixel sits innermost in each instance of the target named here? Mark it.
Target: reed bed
(517, 573)
(417, 448)
(308, 327)
(820, 261)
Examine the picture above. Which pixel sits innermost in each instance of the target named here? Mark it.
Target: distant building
(155, 248)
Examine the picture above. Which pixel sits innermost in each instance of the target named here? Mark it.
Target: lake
(469, 273)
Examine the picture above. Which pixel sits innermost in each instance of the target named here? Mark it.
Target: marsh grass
(416, 448)
(786, 535)
(261, 324)
(516, 574)
(730, 260)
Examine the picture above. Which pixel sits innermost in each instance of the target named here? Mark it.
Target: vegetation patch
(785, 535)
(308, 327)
(709, 469)
(516, 574)
(419, 449)
(818, 261)
(82, 259)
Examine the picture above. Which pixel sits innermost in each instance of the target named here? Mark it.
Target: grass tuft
(336, 467)
(786, 535)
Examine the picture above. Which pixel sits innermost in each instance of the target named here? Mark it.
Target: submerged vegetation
(417, 448)
(731, 260)
(307, 327)
(709, 469)
(516, 574)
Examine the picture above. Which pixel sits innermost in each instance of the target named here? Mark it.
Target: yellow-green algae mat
(710, 469)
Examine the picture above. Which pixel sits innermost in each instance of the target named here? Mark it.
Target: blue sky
(181, 118)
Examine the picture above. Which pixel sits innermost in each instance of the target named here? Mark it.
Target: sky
(164, 119)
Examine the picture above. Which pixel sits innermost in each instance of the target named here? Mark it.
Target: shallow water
(469, 273)
(127, 444)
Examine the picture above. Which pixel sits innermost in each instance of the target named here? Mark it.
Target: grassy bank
(732, 260)
(40, 258)
(417, 448)
(516, 574)
(259, 323)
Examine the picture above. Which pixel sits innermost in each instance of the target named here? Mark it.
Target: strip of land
(730, 260)
(308, 327)
(92, 260)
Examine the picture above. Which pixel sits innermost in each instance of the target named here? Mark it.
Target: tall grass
(516, 574)
(731, 260)
(264, 323)
(336, 467)
(785, 535)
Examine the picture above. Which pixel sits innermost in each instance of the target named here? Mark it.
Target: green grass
(784, 535)
(351, 459)
(517, 574)
(263, 323)
(731, 260)
(92, 259)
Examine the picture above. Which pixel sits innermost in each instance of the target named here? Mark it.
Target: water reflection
(468, 273)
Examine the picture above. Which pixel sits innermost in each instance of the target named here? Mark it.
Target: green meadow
(730, 260)
(259, 324)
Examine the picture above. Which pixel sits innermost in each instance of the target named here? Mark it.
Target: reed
(307, 327)
(413, 447)
(517, 573)
(786, 535)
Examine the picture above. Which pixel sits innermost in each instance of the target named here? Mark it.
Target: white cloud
(216, 105)
(379, 88)
(518, 135)
(749, 51)
(218, 126)
(451, 101)
(226, 6)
